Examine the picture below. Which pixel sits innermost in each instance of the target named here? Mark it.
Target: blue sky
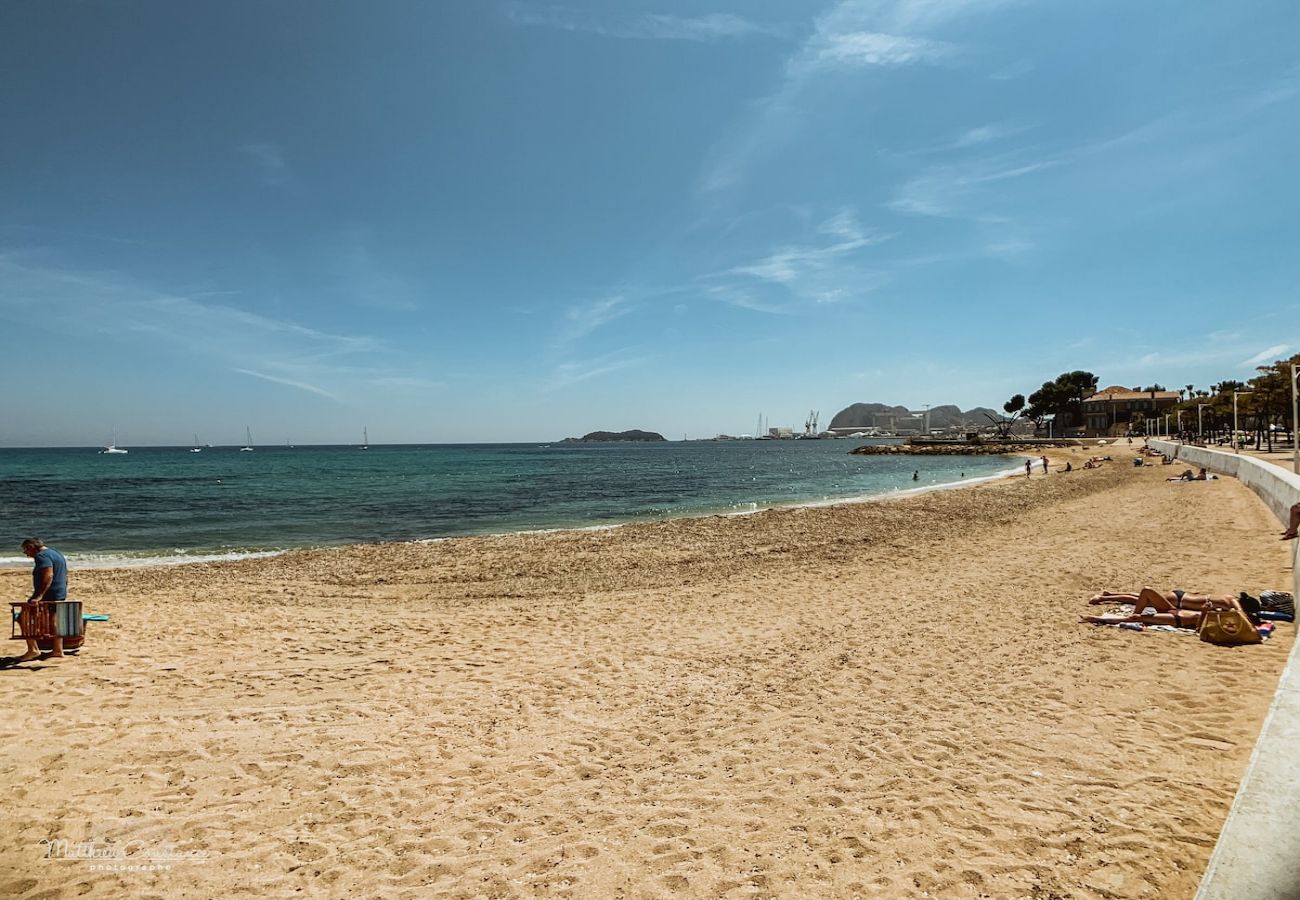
(456, 221)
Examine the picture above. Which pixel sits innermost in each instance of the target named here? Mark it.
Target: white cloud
(743, 299)
(572, 372)
(868, 48)
(105, 307)
(946, 191)
(707, 28)
(1017, 69)
(1272, 354)
(580, 321)
(270, 161)
(986, 134)
(852, 35)
(300, 385)
(789, 264)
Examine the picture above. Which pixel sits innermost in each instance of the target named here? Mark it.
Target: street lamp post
(1200, 432)
(1295, 423)
(1236, 446)
(1178, 423)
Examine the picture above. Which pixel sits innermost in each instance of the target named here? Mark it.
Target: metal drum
(47, 620)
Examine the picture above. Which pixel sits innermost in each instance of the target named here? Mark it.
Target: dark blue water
(165, 503)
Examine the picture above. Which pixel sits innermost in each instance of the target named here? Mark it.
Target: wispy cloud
(712, 27)
(947, 191)
(300, 385)
(849, 37)
(741, 298)
(366, 280)
(269, 160)
(107, 307)
(1017, 69)
(1272, 354)
(986, 134)
(572, 372)
(580, 321)
(792, 263)
(870, 48)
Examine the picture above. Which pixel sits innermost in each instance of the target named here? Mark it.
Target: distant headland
(614, 437)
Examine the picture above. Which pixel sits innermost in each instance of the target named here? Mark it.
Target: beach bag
(1227, 627)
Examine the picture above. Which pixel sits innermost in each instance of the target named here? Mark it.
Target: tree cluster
(1263, 405)
(1060, 400)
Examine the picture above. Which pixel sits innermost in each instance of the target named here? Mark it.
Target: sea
(161, 505)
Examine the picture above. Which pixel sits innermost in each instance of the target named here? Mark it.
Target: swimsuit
(1178, 596)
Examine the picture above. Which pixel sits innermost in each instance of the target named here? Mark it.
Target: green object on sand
(94, 617)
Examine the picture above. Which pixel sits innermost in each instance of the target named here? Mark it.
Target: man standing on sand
(1028, 463)
(49, 583)
(1044, 465)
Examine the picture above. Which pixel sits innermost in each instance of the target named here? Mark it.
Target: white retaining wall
(1258, 853)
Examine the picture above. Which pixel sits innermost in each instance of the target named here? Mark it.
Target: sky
(517, 221)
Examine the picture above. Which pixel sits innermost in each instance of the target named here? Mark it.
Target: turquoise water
(167, 504)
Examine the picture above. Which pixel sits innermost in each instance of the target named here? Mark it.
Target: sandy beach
(886, 699)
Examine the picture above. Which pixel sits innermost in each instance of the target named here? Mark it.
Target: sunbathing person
(1186, 617)
(1165, 601)
(1179, 618)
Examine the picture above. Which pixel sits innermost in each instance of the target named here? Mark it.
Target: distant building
(1117, 410)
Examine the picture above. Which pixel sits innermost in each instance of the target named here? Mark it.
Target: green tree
(1062, 398)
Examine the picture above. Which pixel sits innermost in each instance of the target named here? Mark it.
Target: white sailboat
(248, 435)
(196, 448)
(112, 445)
(365, 439)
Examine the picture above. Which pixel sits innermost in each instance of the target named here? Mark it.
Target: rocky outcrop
(879, 415)
(614, 437)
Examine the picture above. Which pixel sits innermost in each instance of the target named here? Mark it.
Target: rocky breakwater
(979, 448)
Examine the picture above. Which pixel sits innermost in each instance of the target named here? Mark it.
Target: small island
(614, 437)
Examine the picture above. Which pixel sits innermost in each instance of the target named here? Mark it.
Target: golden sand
(885, 699)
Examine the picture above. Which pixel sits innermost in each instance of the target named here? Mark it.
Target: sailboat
(196, 448)
(365, 439)
(248, 447)
(112, 445)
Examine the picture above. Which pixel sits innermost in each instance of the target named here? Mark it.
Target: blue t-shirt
(49, 558)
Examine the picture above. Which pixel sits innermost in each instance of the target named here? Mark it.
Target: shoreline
(888, 697)
(99, 560)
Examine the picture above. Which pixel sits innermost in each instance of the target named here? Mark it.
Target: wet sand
(887, 699)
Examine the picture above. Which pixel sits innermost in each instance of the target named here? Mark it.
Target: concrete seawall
(1257, 856)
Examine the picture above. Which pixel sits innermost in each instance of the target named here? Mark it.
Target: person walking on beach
(1028, 463)
(1044, 465)
(49, 584)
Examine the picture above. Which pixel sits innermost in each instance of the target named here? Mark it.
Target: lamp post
(1236, 446)
(1178, 423)
(1200, 432)
(1295, 423)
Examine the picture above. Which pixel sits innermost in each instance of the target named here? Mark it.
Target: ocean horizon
(166, 505)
